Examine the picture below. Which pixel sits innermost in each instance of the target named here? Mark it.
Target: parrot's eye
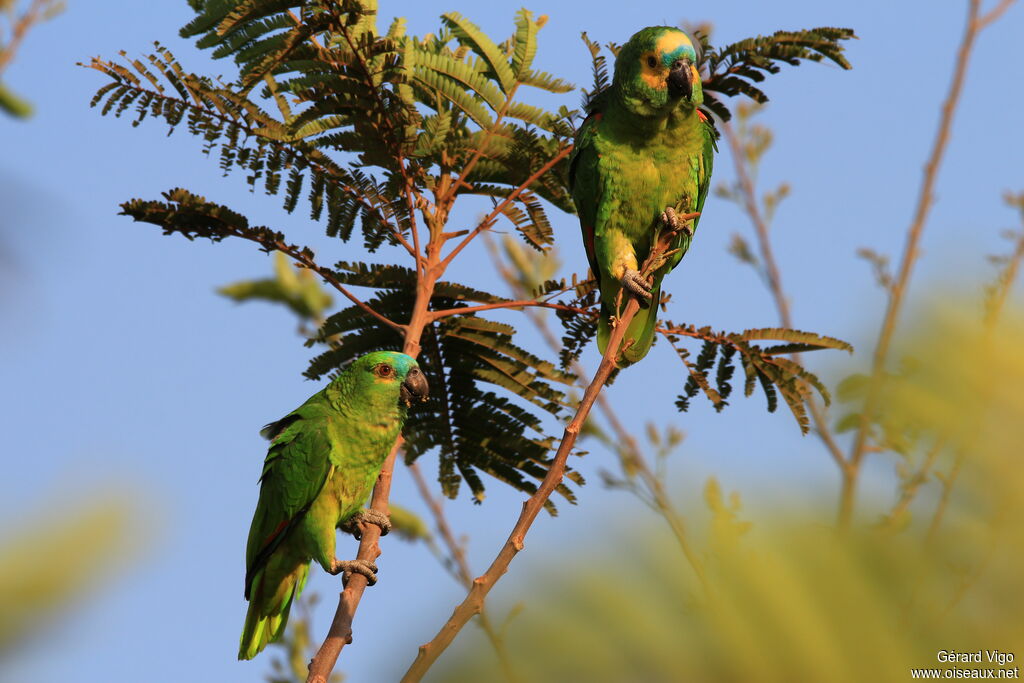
(384, 370)
(652, 62)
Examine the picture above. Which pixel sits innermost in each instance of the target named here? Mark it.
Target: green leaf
(407, 525)
(524, 41)
(14, 105)
(808, 341)
(469, 34)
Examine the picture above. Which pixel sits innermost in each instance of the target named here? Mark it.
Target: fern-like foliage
(357, 113)
(762, 365)
(472, 366)
(380, 134)
(376, 133)
(737, 68)
(471, 363)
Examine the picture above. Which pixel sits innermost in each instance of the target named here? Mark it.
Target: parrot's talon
(671, 220)
(348, 567)
(365, 516)
(635, 283)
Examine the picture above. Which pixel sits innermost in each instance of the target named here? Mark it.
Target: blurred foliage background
(701, 591)
(786, 598)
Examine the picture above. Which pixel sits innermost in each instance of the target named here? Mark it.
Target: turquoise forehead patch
(679, 52)
(402, 362)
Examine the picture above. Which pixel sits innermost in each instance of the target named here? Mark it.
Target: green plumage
(321, 466)
(644, 146)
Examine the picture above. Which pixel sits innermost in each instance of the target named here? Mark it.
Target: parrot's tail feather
(265, 623)
(640, 331)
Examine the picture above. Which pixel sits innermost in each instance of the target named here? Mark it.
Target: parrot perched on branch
(643, 153)
(323, 460)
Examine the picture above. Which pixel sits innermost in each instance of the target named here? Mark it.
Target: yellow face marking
(654, 76)
(668, 43)
(671, 41)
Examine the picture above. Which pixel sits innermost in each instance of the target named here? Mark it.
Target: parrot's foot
(671, 220)
(347, 567)
(635, 283)
(351, 525)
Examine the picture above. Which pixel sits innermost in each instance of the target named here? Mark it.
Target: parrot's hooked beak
(414, 388)
(679, 84)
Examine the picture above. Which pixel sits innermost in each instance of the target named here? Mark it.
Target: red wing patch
(280, 527)
(588, 244)
(703, 117)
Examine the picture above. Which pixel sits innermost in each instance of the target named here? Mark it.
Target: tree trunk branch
(474, 601)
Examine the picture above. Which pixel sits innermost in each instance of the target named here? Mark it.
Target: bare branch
(457, 554)
(524, 303)
(474, 601)
(35, 14)
(983, 22)
(774, 279)
(925, 200)
(488, 221)
(328, 276)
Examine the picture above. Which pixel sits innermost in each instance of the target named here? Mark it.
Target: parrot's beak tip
(414, 388)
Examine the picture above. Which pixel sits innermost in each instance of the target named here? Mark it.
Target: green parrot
(644, 151)
(323, 460)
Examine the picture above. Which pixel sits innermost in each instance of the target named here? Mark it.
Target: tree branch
(457, 553)
(460, 181)
(493, 215)
(19, 29)
(474, 601)
(297, 254)
(340, 633)
(912, 485)
(753, 211)
(925, 200)
(523, 303)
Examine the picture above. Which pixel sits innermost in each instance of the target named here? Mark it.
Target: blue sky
(121, 367)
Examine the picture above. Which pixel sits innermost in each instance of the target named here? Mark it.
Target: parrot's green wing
(585, 184)
(709, 159)
(295, 471)
(682, 242)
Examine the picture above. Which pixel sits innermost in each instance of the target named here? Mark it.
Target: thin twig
(493, 215)
(328, 277)
(925, 200)
(32, 16)
(994, 308)
(661, 502)
(914, 483)
(457, 554)
(994, 14)
(940, 508)
(774, 278)
(523, 303)
(760, 225)
(449, 197)
(474, 601)
(656, 488)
